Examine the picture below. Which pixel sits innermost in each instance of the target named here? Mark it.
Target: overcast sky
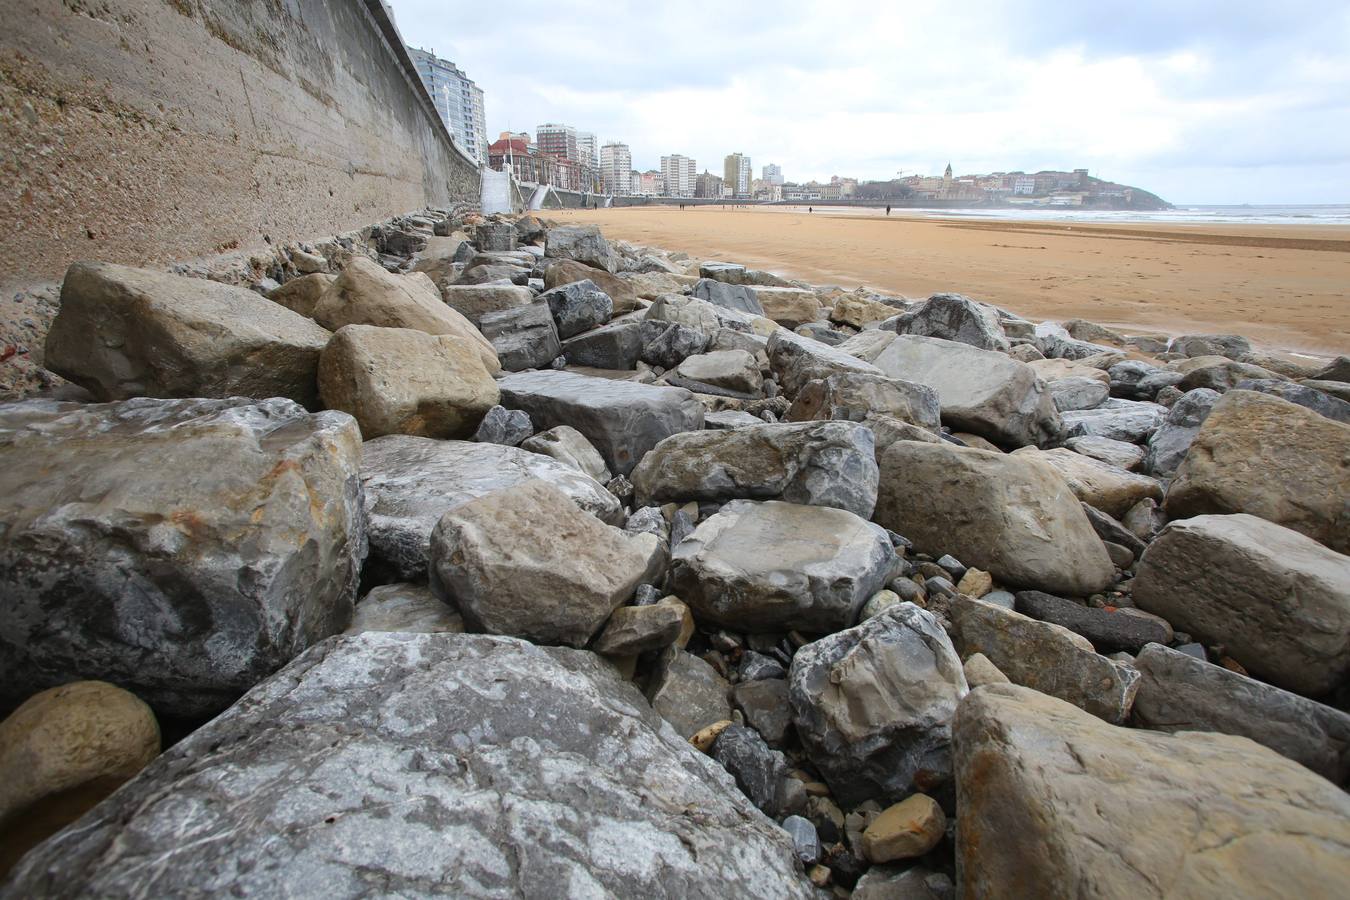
(1200, 101)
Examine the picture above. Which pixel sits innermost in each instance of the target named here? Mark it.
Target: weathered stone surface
(1231, 346)
(905, 830)
(597, 787)
(1170, 443)
(1049, 370)
(733, 273)
(365, 294)
(125, 332)
(980, 391)
(1003, 514)
(473, 301)
(1117, 453)
(980, 671)
(773, 566)
(1109, 630)
(873, 705)
(614, 346)
(583, 244)
(577, 307)
(788, 306)
(410, 482)
(1178, 692)
(1109, 488)
(1046, 657)
(1318, 401)
(301, 294)
(667, 344)
(1220, 375)
(567, 445)
(730, 296)
(689, 694)
(182, 549)
(859, 311)
(494, 274)
(853, 396)
(814, 463)
(1110, 530)
(795, 360)
(1277, 601)
(524, 337)
(888, 429)
(635, 629)
(401, 381)
(621, 292)
(1132, 421)
(404, 607)
(1271, 458)
(63, 751)
(732, 370)
(525, 561)
(1077, 392)
(1166, 806)
(700, 314)
(508, 427)
(764, 703)
(892, 883)
(954, 317)
(760, 772)
(622, 419)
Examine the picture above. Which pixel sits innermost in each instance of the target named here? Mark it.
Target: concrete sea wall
(149, 131)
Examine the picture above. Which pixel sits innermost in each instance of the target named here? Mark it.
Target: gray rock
(873, 706)
(507, 427)
(569, 446)
(731, 273)
(525, 561)
(383, 763)
(1219, 374)
(1112, 531)
(954, 317)
(1233, 346)
(1109, 631)
(729, 296)
(667, 344)
(1167, 806)
(770, 566)
(696, 313)
(622, 419)
(637, 629)
(474, 301)
(764, 703)
(493, 274)
(1318, 401)
(730, 418)
(805, 841)
(181, 549)
(891, 883)
(1180, 693)
(577, 307)
(1077, 392)
(813, 463)
(760, 772)
(1277, 601)
(1151, 386)
(524, 337)
(731, 370)
(404, 607)
(123, 333)
(756, 666)
(689, 694)
(1117, 453)
(614, 346)
(1046, 657)
(855, 396)
(410, 482)
(1121, 420)
(1002, 599)
(582, 243)
(495, 236)
(1337, 370)
(1107, 487)
(648, 520)
(795, 360)
(1170, 443)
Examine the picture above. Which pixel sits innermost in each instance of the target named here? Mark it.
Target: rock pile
(508, 558)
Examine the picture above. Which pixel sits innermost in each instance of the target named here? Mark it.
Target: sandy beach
(1284, 287)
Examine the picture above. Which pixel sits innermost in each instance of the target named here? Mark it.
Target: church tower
(947, 179)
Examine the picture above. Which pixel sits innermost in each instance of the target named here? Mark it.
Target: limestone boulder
(597, 786)
(788, 306)
(730, 370)
(1219, 374)
(773, 566)
(1228, 346)
(617, 345)
(667, 344)
(1165, 804)
(1172, 441)
(731, 296)
(365, 294)
(1278, 602)
(410, 482)
(583, 244)
(955, 317)
(859, 311)
(404, 607)
(1319, 402)
(622, 419)
(301, 294)
(854, 396)
(1271, 458)
(181, 549)
(526, 561)
(473, 301)
(873, 706)
(1007, 515)
(1132, 421)
(637, 629)
(733, 273)
(567, 445)
(124, 332)
(796, 360)
(577, 307)
(1129, 457)
(523, 337)
(1109, 488)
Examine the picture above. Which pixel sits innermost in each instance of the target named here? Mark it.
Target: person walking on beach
(810, 209)
(888, 209)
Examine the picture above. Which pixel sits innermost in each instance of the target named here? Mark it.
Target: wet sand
(1283, 286)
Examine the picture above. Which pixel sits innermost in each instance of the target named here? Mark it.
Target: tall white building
(680, 173)
(458, 101)
(773, 174)
(588, 149)
(736, 175)
(616, 168)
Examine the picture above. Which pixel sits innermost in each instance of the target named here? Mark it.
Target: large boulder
(987, 393)
(523, 337)
(873, 706)
(954, 317)
(181, 549)
(773, 566)
(1178, 692)
(1184, 815)
(583, 244)
(473, 301)
(854, 396)
(623, 419)
(301, 294)
(404, 607)
(1109, 488)
(1009, 516)
(1229, 346)
(1044, 656)
(706, 317)
(1277, 601)
(1133, 421)
(734, 273)
(124, 333)
(734, 371)
(1318, 401)
(526, 561)
(365, 294)
(428, 764)
(814, 463)
(731, 296)
(688, 693)
(788, 306)
(1274, 459)
(400, 381)
(410, 482)
(1172, 441)
(614, 346)
(577, 307)
(567, 445)
(796, 360)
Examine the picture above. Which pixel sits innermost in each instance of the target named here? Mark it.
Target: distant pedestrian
(888, 209)
(810, 209)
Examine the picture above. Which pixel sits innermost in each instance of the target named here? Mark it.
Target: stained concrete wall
(149, 131)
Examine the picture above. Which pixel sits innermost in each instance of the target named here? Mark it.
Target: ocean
(1328, 214)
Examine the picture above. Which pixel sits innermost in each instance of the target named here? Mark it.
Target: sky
(1199, 101)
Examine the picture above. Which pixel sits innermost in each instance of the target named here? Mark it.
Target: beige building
(616, 168)
(680, 173)
(736, 175)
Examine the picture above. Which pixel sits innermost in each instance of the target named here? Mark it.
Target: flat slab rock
(426, 765)
(410, 482)
(181, 549)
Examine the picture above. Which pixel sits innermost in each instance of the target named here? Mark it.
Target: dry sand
(1284, 287)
